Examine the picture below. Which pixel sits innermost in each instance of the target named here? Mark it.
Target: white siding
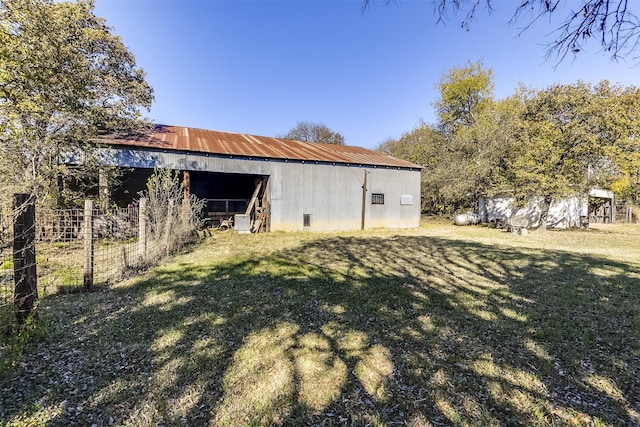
(563, 213)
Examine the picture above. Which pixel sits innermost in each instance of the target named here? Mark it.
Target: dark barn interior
(226, 194)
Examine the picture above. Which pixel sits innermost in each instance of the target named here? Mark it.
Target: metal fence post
(24, 256)
(88, 243)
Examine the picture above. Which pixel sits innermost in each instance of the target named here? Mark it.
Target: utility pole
(364, 198)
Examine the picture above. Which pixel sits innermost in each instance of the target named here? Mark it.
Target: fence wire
(61, 246)
(60, 249)
(117, 247)
(6, 256)
(79, 248)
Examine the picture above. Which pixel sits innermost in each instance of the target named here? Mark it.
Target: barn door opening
(228, 195)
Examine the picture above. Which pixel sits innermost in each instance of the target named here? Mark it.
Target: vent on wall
(306, 220)
(377, 198)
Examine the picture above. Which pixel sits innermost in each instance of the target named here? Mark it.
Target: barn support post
(266, 202)
(88, 244)
(186, 184)
(24, 257)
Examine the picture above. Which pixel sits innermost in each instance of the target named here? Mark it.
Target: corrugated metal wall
(330, 194)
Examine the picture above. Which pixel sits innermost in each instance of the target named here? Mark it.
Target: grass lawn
(441, 325)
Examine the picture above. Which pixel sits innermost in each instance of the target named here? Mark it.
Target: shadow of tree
(348, 330)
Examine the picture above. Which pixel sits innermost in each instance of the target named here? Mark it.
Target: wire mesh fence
(59, 248)
(67, 250)
(118, 246)
(63, 259)
(6, 256)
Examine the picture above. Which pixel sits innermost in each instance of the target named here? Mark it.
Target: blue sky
(258, 67)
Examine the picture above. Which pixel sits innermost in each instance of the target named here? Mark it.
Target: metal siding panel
(331, 194)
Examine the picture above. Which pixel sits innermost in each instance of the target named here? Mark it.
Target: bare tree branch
(610, 22)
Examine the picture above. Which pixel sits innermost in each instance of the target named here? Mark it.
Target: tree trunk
(544, 212)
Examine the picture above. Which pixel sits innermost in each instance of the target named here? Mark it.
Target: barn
(278, 184)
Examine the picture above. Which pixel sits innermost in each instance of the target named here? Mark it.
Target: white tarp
(563, 213)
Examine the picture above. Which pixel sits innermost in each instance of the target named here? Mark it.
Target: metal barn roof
(234, 144)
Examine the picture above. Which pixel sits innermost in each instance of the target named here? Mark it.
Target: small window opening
(377, 198)
(306, 220)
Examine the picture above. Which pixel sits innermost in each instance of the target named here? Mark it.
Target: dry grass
(436, 326)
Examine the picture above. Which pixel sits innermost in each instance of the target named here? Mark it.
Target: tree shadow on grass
(349, 331)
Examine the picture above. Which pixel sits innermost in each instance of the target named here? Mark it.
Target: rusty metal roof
(234, 144)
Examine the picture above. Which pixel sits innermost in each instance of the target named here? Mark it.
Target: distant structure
(568, 212)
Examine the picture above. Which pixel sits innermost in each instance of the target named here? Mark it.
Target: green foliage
(424, 145)
(555, 142)
(479, 134)
(621, 109)
(469, 151)
(575, 137)
(314, 132)
(465, 93)
(64, 78)
(562, 138)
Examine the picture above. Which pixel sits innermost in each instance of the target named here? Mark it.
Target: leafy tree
(482, 153)
(64, 78)
(465, 92)
(479, 134)
(566, 131)
(611, 22)
(621, 132)
(425, 146)
(314, 132)
(469, 152)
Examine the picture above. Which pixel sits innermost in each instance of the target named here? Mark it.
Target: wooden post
(88, 243)
(364, 199)
(24, 257)
(103, 185)
(482, 209)
(186, 184)
(166, 239)
(142, 228)
(124, 259)
(266, 203)
(613, 211)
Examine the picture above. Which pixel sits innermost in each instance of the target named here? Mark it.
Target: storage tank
(468, 218)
